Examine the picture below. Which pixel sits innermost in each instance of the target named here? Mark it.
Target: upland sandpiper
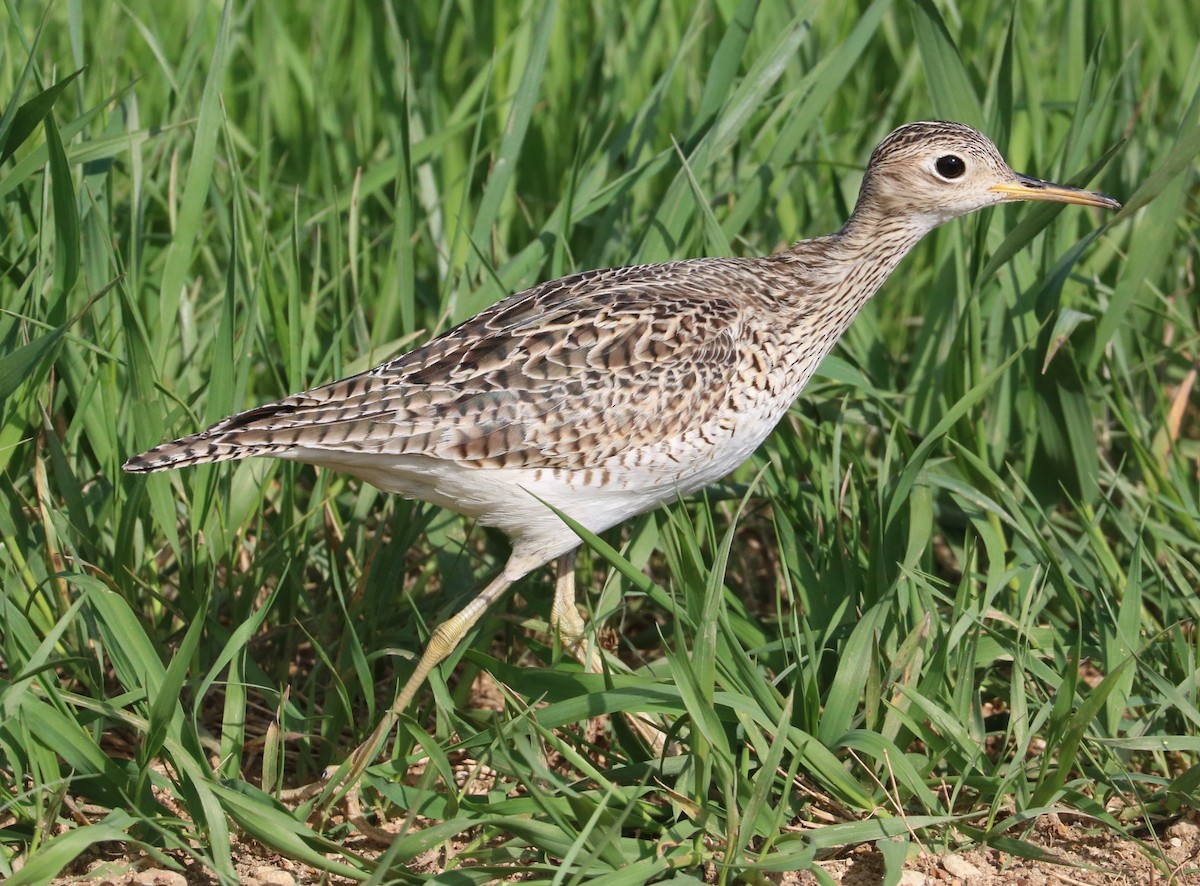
(608, 393)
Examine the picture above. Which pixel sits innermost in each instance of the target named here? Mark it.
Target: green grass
(956, 589)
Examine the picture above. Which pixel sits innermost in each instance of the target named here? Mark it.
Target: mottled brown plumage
(610, 392)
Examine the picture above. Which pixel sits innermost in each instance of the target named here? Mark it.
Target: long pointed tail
(323, 418)
(198, 449)
(253, 432)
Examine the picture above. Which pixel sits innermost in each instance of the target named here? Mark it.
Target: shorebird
(608, 393)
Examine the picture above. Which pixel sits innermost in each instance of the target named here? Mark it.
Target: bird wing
(567, 374)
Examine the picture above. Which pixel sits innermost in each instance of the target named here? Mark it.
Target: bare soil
(1171, 858)
(1168, 855)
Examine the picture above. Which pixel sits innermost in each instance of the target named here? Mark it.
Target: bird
(607, 393)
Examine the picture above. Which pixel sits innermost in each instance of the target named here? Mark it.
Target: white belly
(514, 499)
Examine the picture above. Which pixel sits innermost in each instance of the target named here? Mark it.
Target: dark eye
(950, 166)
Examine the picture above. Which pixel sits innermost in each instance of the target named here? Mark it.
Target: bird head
(930, 172)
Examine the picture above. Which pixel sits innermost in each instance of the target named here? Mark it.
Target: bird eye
(950, 166)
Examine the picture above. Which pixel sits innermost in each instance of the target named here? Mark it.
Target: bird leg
(442, 642)
(565, 618)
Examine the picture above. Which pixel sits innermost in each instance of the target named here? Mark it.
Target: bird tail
(299, 427)
(247, 434)
(197, 449)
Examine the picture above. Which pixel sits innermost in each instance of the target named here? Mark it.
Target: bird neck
(839, 273)
(879, 240)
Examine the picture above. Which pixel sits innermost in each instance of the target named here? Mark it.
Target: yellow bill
(1027, 188)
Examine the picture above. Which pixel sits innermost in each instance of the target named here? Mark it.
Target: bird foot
(350, 802)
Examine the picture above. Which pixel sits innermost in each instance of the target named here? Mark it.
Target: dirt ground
(1171, 858)
(1168, 856)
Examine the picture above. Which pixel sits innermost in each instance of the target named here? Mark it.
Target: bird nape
(610, 392)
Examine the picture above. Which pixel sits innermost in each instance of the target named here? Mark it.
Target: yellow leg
(442, 642)
(565, 618)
